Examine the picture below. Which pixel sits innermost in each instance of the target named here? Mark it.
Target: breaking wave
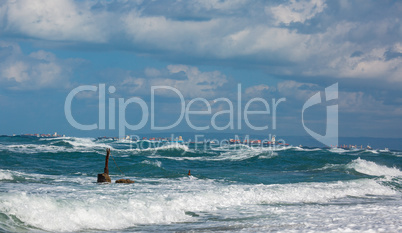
(153, 163)
(128, 206)
(373, 169)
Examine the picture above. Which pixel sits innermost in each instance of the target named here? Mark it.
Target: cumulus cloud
(54, 20)
(296, 11)
(219, 4)
(36, 70)
(302, 39)
(188, 80)
(357, 102)
(258, 90)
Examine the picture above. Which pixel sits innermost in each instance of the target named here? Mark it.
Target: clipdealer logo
(331, 132)
(242, 112)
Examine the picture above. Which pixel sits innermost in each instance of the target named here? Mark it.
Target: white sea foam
(36, 148)
(124, 141)
(56, 139)
(386, 150)
(240, 153)
(5, 175)
(181, 158)
(372, 151)
(154, 163)
(330, 166)
(250, 152)
(373, 169)
(306, 149)
(268, 156)
(333, 218)
(232, 147)
(397, 154)
(114, 206)
(233, 155)
(86, 143)
(17, 175)
(78, 144)
(169, 146)
(337, 150)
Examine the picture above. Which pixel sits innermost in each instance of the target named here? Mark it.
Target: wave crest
(373, 169)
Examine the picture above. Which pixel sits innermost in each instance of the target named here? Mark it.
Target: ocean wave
(306, 149)
(372, 151)
(397, 154)
(36, 148)
(77, 142)
(153, 163)
(56, 138)
(111, 207)
(17, 176)
(232, 147)
(167, 147)
(356, 151)
(330, 167)
(233, 155)
(6, 175)
(338, 150)
(246, 153)
(268, 156)
(373, 169)
(170, 146)
(86, 143)
(57, 145)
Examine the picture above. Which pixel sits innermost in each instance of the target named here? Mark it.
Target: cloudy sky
(204, 49)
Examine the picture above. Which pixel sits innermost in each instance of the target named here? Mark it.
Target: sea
(50, 185)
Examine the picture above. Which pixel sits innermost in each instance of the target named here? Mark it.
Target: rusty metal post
(104, 177)
(106, 170)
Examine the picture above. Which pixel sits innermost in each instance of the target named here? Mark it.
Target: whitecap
(166, 201)
(155, 163)
(373, 169)
(6, 175)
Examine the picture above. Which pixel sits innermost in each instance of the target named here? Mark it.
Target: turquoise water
(49, 185)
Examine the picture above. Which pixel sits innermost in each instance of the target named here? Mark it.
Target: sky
(217, 57)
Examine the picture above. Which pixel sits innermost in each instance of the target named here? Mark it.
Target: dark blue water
(49, 185)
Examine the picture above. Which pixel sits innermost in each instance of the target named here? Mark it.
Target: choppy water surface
(49, 185)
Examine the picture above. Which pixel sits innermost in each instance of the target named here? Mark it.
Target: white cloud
(37, 70)
(220, 4)
(161, 33)
(55, 20)
(196, 84)
(199, 84)
(296, 11)
(297, 90)
(43, 55)
(349, 101)
(370, 65)
(152, 72)
(16, 71)
(258, 90)
(228, 32)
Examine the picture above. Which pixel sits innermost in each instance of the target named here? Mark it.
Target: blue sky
(204, 49)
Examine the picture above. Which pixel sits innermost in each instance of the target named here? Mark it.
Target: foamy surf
(154, 163)
(307, 149)
(117, 207)
(373, 169)
(243, 188)
(86, 143)
(5, 175)
(338, 150)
